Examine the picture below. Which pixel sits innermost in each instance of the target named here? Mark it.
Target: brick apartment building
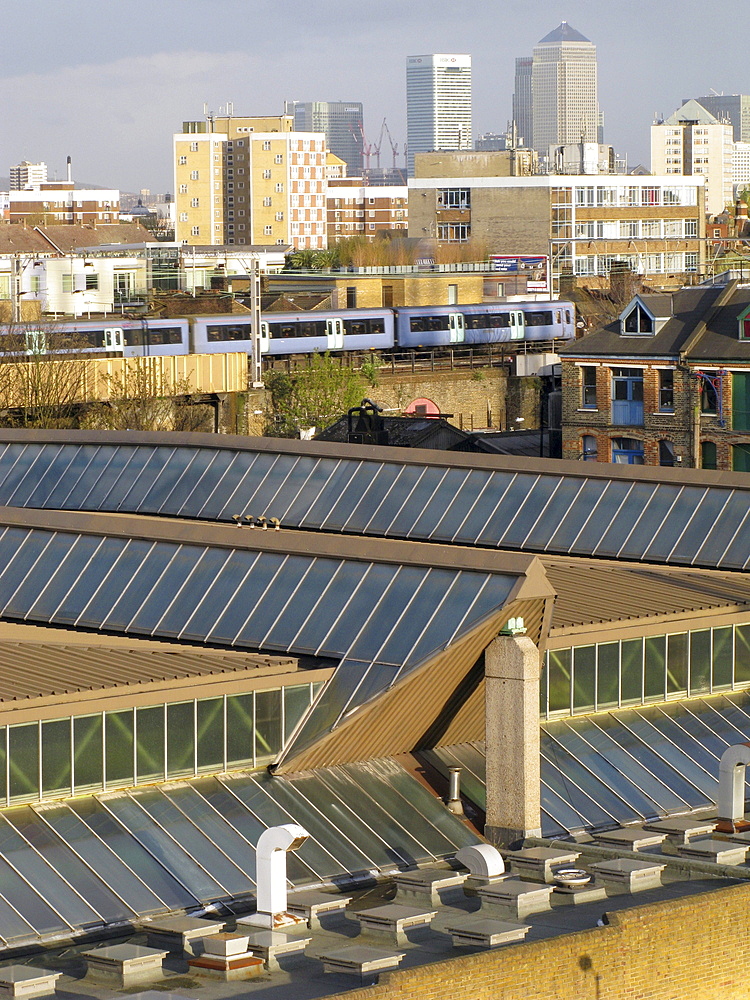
(668, 383)
(60, 203)
(355, 209)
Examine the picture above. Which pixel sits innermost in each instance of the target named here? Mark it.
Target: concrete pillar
(512, 668)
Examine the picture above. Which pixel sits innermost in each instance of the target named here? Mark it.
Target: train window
(355, 328)
(539, 318)
(134, 338)
(310, 328)
(215, 334)
(501, 320)
(567, 316)
(476, 321)
(558, 316)
(377, 326)
(417, 324)
(437, 322)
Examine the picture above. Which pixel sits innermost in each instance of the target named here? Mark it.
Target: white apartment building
(438, 104)
(564, 90)
(691, 142)
(25, 176)
(740, 167)
(247, 187)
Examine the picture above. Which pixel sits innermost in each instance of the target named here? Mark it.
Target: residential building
(343, 125)
(523, 101)
(668, 383)
(238, 181)
(733, 108)
(740, 167)
(655, 225)
(692, 142)
(27, 175)
(438, 104)
(564, 89)
(357, 210)
(56, 202)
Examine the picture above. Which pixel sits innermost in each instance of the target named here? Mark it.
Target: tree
(142, 397)
(42, 375)
(315, 396)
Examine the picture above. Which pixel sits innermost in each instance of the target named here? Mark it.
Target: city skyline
(112, 99)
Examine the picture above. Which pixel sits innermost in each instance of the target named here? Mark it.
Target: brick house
(667, 383)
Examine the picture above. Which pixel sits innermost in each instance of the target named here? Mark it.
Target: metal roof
(83, 864)
(380, 609)
(662, 516)
(601, 771)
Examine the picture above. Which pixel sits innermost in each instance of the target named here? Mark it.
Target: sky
(108, 82)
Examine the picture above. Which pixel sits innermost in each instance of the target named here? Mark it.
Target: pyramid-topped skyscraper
(565, 106)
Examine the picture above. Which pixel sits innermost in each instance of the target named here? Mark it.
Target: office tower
(27, 176)
(565, 107)
(250, 181)
(729, 107)
(692, 141)
(342, 123)
(438, 104)
(523, 114)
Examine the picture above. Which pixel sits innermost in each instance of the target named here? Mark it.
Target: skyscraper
(523, 114)
(342, 123)
(565, 106)
(729, 107)
(438, 104)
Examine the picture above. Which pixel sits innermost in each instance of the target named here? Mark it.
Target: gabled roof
(563, 33)
(692, 112)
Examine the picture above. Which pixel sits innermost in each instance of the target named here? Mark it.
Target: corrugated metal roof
(590, 592)
(30, 670)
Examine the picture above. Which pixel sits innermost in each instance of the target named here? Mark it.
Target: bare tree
(141, 396)
(42, 375)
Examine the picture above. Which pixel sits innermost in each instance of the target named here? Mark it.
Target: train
(287, 333)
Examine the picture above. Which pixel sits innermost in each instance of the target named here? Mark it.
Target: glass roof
(601, 771)
(71, 865)
(668, 522)
(380, 620)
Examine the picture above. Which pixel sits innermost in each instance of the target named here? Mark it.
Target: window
(627, 396)
(194, 175)
(183, 161)
(266, 144)
(450, 198)
(266, 175)
(666, 390)
(741, 401)
(67, 282)
(279, 188)
(708, 454)
(638, 321)
(691, 227)
(589, 450)
(627, 451)
(452, 232)
(268, 230)
(267, 202)
(588, 387)
(279, 216)
(195, 231)
(279, 158)
(667, 454)
(183, 216)
(193, 147)
(709, 396)
(183, 188)
(351, 297)
(195, 202)
(92, 282)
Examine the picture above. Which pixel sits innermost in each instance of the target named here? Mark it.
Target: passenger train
(286, 333)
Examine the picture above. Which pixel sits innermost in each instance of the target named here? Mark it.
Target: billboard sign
(535, 268)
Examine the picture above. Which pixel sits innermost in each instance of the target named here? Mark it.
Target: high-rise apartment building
(565, 108)
(27, 176)
(343, 124)
(523, 112)
(250, 181)
(734, 108)
(693, 142)
(438, 104)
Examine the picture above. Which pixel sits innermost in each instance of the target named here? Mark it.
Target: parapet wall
(692, 948)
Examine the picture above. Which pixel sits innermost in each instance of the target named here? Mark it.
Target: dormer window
(638, 321)
(744, 324)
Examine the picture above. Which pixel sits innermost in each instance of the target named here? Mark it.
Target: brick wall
(694, 948)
